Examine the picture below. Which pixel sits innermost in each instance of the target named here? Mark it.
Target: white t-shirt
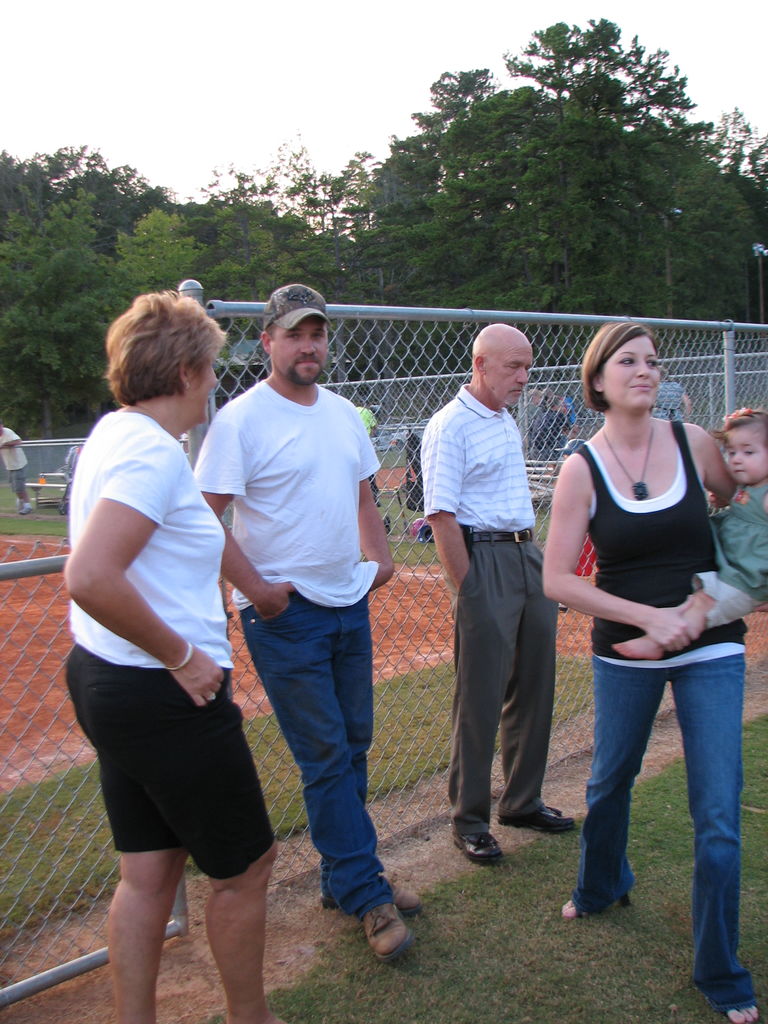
(473, 466)
(131, 459)
(14, 458)
(294, 472)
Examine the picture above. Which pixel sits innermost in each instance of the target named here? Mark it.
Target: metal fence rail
(47, 458)
(58, 865)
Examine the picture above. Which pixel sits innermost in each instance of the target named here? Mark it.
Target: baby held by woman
(740, 584)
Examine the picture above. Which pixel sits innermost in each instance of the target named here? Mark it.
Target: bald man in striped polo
(477, 500)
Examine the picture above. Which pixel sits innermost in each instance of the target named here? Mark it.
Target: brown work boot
(406, 900)
(386, 932)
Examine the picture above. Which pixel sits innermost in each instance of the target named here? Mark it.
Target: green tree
(562, 193)
(159, 253)
(56, 298)
(712, 241)
(248, 246)
(743, 156)
(408, 233)
(121, 196)
(602, 164)
(338, 211)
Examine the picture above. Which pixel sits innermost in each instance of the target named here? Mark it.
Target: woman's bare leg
(138, 916)
(236, 918)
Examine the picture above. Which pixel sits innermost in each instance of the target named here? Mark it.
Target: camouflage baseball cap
(289, 305)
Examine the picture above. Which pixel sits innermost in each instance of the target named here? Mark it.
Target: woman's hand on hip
(201, 677)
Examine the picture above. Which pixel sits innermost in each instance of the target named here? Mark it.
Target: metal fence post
(192, 289)
(729, 368)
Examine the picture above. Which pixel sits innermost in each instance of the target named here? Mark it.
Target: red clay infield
(412, 628)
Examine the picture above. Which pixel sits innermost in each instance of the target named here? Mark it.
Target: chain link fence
(58, 864)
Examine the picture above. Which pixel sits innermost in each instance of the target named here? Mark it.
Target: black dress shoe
(478, 846)
(543, 819)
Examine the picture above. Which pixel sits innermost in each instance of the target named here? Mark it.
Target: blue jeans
(316, 667)
(708, 698)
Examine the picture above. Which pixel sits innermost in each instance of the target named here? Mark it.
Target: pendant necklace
(640, 487)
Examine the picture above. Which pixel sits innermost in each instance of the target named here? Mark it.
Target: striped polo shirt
(473, 466)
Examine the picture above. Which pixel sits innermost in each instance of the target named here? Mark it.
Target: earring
(186, 385)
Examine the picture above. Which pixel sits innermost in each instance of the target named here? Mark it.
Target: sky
(177, 91)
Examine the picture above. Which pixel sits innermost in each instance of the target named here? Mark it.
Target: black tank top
(651, 557)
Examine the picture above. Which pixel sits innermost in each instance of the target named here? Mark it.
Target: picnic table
(49, 493)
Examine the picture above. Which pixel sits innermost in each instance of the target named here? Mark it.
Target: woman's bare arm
(96, 577)
(568, 527)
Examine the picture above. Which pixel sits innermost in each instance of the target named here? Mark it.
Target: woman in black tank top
(638, 490)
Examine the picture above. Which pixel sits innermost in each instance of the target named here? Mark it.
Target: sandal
(570, 912)
(747, 1015)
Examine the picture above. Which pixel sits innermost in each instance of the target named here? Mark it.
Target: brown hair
(743, 418)
(148, 345)
(609, 339)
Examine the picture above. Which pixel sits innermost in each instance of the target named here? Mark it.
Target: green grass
(43, 521)
(60, 846)
(411, 742)
(492, 947)
(54, 847)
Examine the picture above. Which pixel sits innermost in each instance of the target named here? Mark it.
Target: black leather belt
(496, 536)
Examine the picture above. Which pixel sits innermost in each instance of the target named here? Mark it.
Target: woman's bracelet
(186, 661)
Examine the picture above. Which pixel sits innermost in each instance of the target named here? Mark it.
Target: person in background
(478, 503)
(369, 420)
(371, 426)
(570, 413)
(549, 428)
(672, 401)
(637, 487)
(15, 460)
(537, 411)
(295, 460)
(414, 482)
(149, 672)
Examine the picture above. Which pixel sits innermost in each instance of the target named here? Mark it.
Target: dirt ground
(298, 928)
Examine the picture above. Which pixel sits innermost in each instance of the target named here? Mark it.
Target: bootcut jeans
(708, 699)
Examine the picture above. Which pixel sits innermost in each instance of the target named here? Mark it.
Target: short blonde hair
(609, 339)
(148, 345)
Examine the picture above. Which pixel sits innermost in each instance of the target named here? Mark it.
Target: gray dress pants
(505, 678)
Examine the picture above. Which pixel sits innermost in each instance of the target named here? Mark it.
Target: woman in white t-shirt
(149, 672)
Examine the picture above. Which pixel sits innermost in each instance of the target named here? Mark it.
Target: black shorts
(173, 775)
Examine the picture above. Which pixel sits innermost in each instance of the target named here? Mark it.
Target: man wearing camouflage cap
(294, 459)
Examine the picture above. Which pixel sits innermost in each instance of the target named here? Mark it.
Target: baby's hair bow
(738, 414)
